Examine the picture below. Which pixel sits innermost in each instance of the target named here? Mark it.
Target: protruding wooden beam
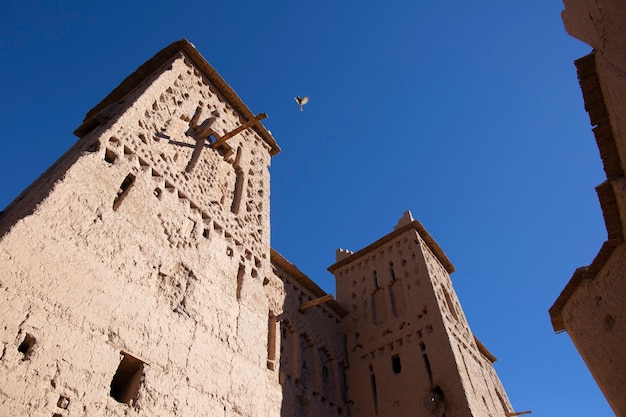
(315, 302)
(202, 130)
(221, 140)
(517, 413)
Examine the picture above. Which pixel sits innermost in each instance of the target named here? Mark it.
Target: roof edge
(305, 281)
(593, 97)
(556, 310)
(134, 80)
(421, 230)
(485, 352)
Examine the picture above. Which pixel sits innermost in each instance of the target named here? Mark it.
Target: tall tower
(410, 348)
(133, 270)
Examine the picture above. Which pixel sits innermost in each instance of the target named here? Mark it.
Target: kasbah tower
(138, 280)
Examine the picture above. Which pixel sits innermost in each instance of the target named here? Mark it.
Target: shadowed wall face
(409, 346)
(591, 306)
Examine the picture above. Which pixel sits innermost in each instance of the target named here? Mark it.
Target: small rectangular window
(26, 347)
(127, 379)
(395, 364)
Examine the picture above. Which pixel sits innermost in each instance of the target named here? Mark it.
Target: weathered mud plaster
(410, 348)
(137, 278)
(591, 306)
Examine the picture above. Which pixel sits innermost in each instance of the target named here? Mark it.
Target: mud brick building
(591, 306)
(137, 278)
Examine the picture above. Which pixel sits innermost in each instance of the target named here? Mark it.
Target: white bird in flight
(301, 101)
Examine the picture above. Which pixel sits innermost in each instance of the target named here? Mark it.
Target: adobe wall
(481, 386)
(595, 321)
(129, 253)
(409, 347)
(137, 277)
(310, 357)
(591, 306)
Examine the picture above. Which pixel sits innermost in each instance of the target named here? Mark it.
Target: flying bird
(301, 101)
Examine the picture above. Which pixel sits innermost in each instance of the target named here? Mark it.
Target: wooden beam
(221, 140)
(203, 130)
(517, 413)
(315, 302)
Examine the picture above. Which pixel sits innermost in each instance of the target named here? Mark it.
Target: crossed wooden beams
(219, 141)
(204, 130)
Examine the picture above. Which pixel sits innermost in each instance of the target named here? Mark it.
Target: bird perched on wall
(301, 101)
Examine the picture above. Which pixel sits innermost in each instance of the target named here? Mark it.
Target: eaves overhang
(416, 225)
(154, 64)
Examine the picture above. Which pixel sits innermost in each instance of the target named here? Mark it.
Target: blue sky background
(467, 114)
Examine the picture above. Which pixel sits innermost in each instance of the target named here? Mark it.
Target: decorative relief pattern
(312, 355)
(171, 138)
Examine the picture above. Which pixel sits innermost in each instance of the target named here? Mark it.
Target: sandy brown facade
(138, 279)
(591, 307)
(410, 348)
(143, 255)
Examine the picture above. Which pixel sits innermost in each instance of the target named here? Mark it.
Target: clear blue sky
(467, 113)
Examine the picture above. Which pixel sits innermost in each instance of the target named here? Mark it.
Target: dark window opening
(240, 273)
(110, 156)
(428, 370)
(450, 304)
(271, 341)
(127, 379)
(342, 382)
(26, 347)
(395, 364)
(325, 373)
(124, 190)
(392, 299)
(374, 391)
